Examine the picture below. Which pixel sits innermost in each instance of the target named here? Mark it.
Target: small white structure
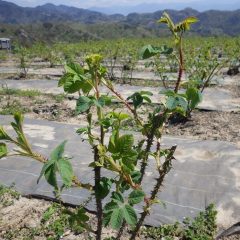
(5, 43)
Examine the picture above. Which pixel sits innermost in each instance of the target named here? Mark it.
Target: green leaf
(136, 176)
(150, 51)
(117, 218)
(17, 126)
(129, 159)
(18, 130)
(147, 99)
(79, 220)
(82, 130)
(125, 143)
(182, 103)
(57, 153)
(117, 197)
(165, 50)
(176, 101)
(104, 100)
(127, 168)
(18, 117)
(57, 163)
(94, 60)
(72, 86)
(75, 84)
(83, 104)
(97, 103)
(116, 212)
(119, 116)
(147, 52)
(130, 215)
(107, 218)
(146, 93)
(103, 189)
(74, 68)
(194, 96)
(112, 142)
(50, 175)
(185, 24)
(122, 148)
(82, 215)
(171, 103)
(123, 116)
(137, 99)
(3, 134)
(167, 20)
(75, 79)
(65, 78)
(109, 207)
(191, 20)
(65, 171)
(136, 197)
(3, 150)
(168, 93)
(106, 122)
(44, 169)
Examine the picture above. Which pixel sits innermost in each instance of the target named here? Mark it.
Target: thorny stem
(97, 170)
(181, 66)
(159, 182)
(146, 154)
(158, 152)
(158, 123)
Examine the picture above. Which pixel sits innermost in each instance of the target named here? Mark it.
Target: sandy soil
(236, 237)
(23, 219)
(209, 125)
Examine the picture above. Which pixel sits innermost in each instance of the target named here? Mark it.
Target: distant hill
(212, 22)
(152, 7)
(14, 14)
(53, 23)
(200, 5)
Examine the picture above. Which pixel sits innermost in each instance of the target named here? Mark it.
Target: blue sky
(174, 4)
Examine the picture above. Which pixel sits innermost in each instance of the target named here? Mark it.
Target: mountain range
(14, 14)
(71, 24)
(152, 7)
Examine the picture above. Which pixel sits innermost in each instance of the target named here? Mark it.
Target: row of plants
(208, 55)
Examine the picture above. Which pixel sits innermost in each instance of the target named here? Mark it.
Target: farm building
(5, 43)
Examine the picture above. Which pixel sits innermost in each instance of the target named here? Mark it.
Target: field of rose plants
(124, 139)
